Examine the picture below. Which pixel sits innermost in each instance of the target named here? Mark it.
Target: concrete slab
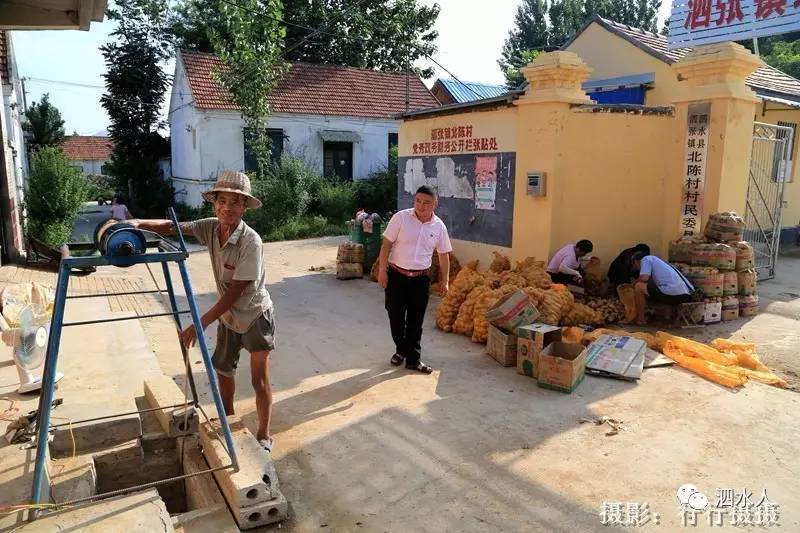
(153, 436)
(73, 478)
(94, 435)
(16, 478)
(214, 519)
(162, 392)
(262, 514)
(256, 481)
(142, 512)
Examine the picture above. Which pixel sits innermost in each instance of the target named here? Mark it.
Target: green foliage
(43, 121)
(186, 213)
(390, 35)
(373, 34)
(539, 26)
(99, 188)
(337, 201)
(135, 87)
(54, 196)
(304, 228)
(284, 193)
(378, 194)
(250, 50)
(785, 56)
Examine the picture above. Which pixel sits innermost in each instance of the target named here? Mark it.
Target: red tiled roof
(317, 89)
(83, 147)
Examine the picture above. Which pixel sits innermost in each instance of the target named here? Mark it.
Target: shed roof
(87, 148)
(468, 91)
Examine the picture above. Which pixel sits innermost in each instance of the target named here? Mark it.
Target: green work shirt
(238, 260)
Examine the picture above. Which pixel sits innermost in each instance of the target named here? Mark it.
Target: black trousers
(406, 302)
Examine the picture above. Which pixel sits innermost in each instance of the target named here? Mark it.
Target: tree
(528, 34)
(785, 56)
(135, 87)
(55, 192)
(375, 34)
(539, 26)
(43, 121)
(250, 50)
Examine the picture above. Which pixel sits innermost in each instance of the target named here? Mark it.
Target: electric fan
(29, 345)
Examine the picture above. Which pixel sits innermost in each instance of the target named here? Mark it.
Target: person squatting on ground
(410, 239)
(659, 281)
(244, 308)
(565, 266)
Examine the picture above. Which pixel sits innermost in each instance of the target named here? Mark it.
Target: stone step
(256, 481)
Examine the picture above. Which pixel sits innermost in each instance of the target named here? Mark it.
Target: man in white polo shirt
(410, 239)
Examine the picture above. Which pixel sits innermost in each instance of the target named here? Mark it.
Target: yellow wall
(611, 56)
(466, 251)
(612, 182)
(791, 192)
(499, 123)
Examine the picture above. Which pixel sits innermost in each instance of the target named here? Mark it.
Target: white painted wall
(13, 145)
(206, 142)
(89, 167)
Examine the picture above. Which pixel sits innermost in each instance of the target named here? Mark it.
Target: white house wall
(89, 167)
(187, 178)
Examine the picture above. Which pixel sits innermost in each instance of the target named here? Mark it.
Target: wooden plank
(256, 481)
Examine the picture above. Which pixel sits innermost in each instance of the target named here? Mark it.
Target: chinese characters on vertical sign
(694, 169)
(695, 22)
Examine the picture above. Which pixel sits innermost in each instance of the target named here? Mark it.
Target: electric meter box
(537, 184)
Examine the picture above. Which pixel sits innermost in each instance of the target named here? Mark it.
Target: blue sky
(470, 40)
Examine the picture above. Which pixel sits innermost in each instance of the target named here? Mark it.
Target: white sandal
(266, 444)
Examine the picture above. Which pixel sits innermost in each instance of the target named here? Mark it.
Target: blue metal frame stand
(166, 253)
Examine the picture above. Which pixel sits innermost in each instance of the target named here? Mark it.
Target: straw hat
(235, 182)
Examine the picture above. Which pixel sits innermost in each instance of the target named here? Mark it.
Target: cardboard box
(512, 311)
(531, 340)
(502, 346)
(562, 366)
(615, 356)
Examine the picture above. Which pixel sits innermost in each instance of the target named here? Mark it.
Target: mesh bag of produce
(466, 313)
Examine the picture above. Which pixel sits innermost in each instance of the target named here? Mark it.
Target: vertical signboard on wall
(694, 174)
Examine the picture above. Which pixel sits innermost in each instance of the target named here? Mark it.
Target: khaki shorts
(259, 338)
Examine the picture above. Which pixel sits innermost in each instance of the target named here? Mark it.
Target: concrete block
(214, 519)
(175, 421)
(154, 438)
(201, 491)
(256, 481)
(97, 435)
(133, 513)
(73, 478)
(262, 514)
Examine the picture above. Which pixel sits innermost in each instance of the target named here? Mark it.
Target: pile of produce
(472, 293)
(611, 309)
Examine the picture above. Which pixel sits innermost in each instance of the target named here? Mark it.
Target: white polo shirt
(415, 242)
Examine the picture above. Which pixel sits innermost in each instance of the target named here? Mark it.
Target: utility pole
(24, 94)
(755, 46)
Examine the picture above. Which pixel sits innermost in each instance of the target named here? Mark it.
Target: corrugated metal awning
(621, 82)
(340, 136)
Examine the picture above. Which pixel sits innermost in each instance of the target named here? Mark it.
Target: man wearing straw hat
(244, 308)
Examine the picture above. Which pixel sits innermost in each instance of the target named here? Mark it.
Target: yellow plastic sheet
(745, 353)
(695, 349)
(728, 376)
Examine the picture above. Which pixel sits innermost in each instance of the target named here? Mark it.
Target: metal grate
(765, 194)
